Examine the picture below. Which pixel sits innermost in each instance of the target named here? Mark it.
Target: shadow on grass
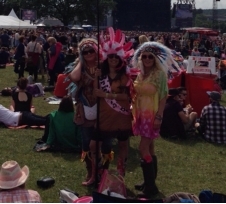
(130, 194)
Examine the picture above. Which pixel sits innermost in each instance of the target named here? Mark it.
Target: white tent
(13, 22)
(13, 14)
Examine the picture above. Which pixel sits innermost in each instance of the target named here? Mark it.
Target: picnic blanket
(53, 100)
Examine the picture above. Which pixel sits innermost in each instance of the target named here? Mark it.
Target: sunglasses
(147, 56)
(111, 56)
(184, 94)
(86, 52)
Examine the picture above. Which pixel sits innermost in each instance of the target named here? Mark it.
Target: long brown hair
(66, 105)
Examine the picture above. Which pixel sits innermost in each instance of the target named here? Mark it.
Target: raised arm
(75, 75)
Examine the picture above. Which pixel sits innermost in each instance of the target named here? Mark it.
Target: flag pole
(98, 99)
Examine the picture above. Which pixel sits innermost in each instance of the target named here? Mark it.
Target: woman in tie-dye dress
(148, 104)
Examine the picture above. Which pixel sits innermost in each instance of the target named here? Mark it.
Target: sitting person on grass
(187, 108)
(212, 123)
(13, 184)
(15, 119)
(21, 99)
(61, 133)
(174, 118)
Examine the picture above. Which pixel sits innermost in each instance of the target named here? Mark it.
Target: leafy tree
(202, 21)
(64, 10)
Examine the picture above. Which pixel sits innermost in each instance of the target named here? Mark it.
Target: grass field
(188, 166)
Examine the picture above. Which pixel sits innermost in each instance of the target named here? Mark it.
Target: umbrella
(76, 28)
(41, 25)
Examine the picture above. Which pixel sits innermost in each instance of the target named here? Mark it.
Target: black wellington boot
(155, 163)
(150, 188)
(140, 187)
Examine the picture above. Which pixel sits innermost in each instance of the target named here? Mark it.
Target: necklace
(91, 70)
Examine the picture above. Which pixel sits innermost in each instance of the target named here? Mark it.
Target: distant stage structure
(184, 13)
(145, 15)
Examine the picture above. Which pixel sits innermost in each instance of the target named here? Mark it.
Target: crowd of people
(100, 75)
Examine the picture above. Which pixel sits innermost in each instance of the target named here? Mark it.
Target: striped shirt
(19, 195)
(213, 122)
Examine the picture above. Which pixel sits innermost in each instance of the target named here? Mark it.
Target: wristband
(115, 96)
(106, 95)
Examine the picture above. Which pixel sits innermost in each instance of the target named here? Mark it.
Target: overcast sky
(207, 4)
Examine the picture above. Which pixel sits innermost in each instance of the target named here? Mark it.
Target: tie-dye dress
(148, 94)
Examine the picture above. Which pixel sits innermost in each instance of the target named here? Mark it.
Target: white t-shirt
(17, 35)
(34, 47)
(9, 117)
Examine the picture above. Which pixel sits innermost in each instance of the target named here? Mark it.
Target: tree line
(203, 18)
(64, 10)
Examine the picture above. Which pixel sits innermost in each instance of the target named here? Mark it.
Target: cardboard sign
(201, 65)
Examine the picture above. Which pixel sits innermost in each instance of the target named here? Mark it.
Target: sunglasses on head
(147, 56)
(86, 52)
(111, 56)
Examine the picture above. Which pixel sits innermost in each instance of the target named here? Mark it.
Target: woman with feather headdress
(155, 61)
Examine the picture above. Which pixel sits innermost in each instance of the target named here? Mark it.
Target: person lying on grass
(15, 119)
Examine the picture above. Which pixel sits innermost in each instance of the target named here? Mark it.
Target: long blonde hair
(143, 39)
(155, 72)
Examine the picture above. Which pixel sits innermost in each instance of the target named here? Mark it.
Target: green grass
(188, 166)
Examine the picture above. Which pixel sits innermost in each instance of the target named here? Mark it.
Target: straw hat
(12, 176)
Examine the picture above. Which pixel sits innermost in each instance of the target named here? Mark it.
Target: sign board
(27, 14)
(201, 65)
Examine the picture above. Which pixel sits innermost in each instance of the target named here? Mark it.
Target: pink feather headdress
(116, 45)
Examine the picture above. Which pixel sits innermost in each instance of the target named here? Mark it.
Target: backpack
(206, 196)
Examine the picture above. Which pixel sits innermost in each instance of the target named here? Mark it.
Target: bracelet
(106, 95)
(115, 96)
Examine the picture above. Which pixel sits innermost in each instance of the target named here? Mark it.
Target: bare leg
(33, 109)
(93, 158)
(145, 145)
(11, 108)
(123, 153)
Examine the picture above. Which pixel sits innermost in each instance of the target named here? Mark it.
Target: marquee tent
(13, 22)
(13, 14)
